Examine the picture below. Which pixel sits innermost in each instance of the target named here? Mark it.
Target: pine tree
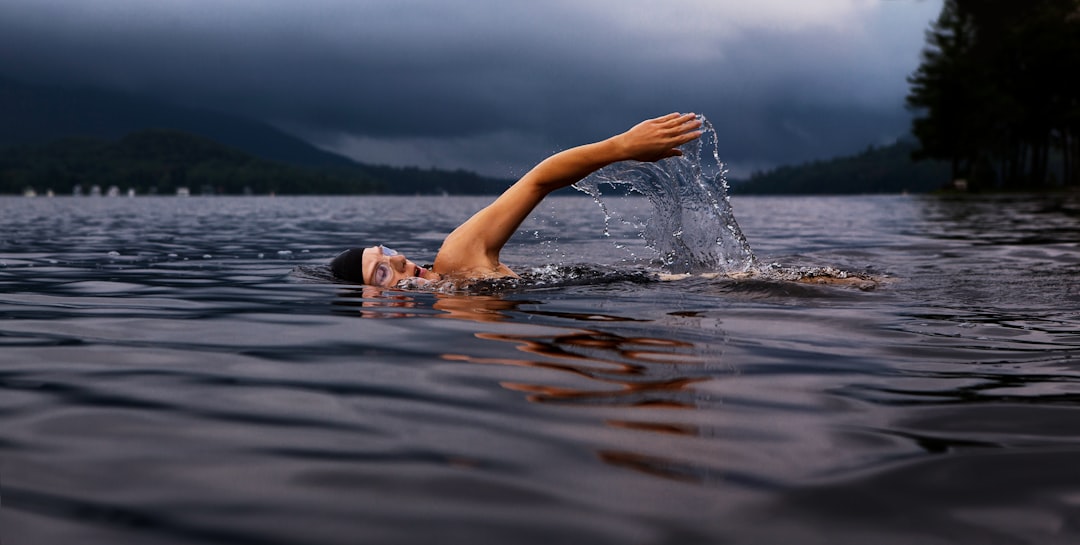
(997, 93)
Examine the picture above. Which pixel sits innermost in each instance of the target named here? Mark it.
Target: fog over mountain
(495, 86)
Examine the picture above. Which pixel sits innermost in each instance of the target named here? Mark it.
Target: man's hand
(658, 138)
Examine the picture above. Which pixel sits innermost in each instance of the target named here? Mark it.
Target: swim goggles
(383, 274)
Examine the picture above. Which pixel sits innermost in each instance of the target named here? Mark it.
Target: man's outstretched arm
(475, 245)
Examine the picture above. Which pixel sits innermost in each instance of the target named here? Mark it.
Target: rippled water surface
(171, 372)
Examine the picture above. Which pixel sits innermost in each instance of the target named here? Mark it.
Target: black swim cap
(349, 265)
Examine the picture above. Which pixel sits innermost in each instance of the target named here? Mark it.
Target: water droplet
(114, 253)
(207, 256)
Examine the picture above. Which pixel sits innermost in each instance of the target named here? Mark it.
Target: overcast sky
(496, 85)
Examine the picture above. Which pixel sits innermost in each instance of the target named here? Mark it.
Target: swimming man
(472, 250)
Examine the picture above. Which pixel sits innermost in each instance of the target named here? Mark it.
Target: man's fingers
(683, 124)
(668, 117)
(690, 136)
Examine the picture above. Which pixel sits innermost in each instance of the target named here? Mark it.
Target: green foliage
(997, 92)
(160, 161)
(888, 169)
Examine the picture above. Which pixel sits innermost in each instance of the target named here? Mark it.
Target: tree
(996, 91)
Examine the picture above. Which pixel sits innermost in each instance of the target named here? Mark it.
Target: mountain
(886, 169)
(37, 114)
(49, 129)
(52, 124)
(160, 161)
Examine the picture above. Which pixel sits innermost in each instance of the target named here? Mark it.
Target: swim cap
(349, 265)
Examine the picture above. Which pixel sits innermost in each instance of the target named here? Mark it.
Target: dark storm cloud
(488, 84)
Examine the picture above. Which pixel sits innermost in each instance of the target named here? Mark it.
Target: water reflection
(380, 303)
(1033, 219)
(596, 366)
(622, 371)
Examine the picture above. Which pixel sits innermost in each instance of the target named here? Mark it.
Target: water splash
(692, 226)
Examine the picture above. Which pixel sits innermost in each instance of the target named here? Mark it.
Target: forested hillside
(161, 160)
(888, 169)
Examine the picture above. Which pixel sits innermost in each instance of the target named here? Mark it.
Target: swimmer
(472, 250)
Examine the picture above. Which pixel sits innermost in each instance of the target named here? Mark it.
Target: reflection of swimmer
(472, 250)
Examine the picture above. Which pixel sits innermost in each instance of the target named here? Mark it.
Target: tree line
(877, 169)
(159, 161)
(997, 95)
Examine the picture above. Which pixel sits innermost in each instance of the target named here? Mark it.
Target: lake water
(172, 372)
